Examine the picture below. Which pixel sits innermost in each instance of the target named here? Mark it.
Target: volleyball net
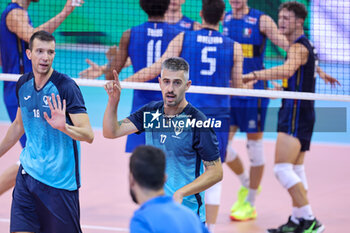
(91, 30)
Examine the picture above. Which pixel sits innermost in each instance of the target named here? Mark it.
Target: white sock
(211, 227)
(295, 215)
(251, 196)
(300, 171)
(244, 178)
(306, 212)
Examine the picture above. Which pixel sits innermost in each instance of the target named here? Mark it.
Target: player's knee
(256, 152)
(285, 175)
(231, 154)
(300, 171)
(213, 194)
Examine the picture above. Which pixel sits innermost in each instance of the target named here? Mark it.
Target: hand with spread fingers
(94, 71)
(58, 113)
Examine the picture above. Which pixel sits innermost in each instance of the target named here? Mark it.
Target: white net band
(208, 90)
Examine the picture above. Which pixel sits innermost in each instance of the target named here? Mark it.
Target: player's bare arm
(148, 73)
(327, 78)
(112, 128)
(213, 174)
(117, 60)
(13, 134)
(18, 22)
(269, 28)
(297, 56)
(237, 69)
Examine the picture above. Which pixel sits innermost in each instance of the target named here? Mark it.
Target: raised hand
(71, 4)
(329, 79)
(113, 88)
(58, 113)
(93, 72)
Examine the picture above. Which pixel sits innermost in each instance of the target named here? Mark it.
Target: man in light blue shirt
(157, 213)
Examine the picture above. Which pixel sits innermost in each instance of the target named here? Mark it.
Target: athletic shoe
(289, 227)
(245, 212)
(310, 226)
(241, 197)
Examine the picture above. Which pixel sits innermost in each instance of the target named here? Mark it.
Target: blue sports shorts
(40, 208)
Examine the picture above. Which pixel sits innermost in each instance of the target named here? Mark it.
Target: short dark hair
(147, 166)
(176, 64)
(298, 8)
(155, 8)
(213, 10)
(41, 35)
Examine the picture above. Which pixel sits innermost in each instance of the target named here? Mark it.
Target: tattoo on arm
(211, 163)
(125, 121)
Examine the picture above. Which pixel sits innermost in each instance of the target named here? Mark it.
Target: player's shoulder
(194, 113)
(256, 12)
(25, 78)
(228, 16)
(153, 105)
(62, 81)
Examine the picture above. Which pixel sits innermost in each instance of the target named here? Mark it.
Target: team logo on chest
(247, 32)
(46, 100)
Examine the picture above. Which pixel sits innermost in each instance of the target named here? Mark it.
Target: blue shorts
(39, 208)
(297, 122)
(249, 114)
(12, 111)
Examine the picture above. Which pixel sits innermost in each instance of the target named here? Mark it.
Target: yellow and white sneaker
(245, 212)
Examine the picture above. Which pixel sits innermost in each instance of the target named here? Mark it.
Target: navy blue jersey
(210, 55)
(185, 142)
(297, 117)
(185, 24)
(148, 42)
(50, 156)
(13, 55)
(246, 31)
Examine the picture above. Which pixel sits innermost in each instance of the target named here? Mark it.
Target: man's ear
(29, 54)
(188, 84)
(131, 180)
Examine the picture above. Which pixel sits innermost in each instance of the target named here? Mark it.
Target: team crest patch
(251, 124)
(247, 32)
(46, 99)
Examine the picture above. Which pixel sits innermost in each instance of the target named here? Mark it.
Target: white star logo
(156, 115)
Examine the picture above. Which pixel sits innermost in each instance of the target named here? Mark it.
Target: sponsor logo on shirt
(26, 97)
(185, 24)
(228, 17)
(251, 20)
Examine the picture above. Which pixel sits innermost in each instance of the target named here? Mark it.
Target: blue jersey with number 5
(210, 55)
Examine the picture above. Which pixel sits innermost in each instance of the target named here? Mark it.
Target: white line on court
(91, 227)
